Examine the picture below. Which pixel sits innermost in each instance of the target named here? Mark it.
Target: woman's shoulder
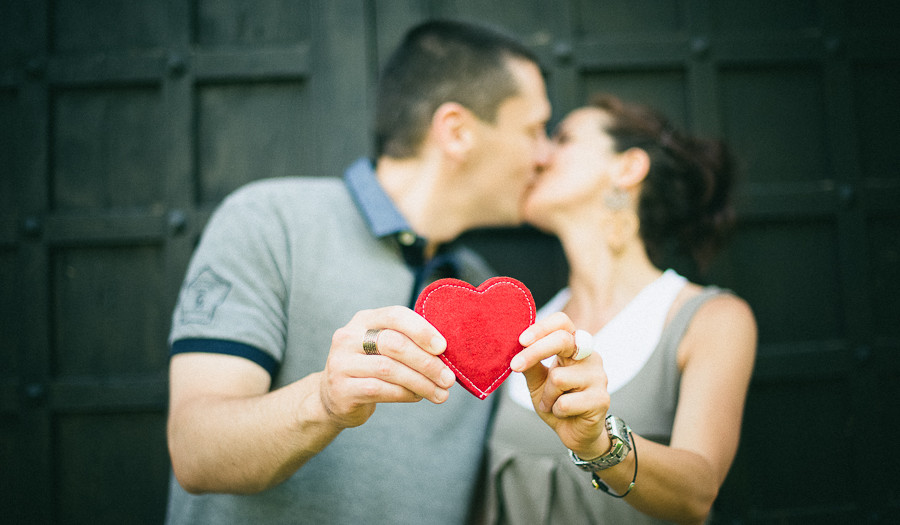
(722, 322)
(718, 301)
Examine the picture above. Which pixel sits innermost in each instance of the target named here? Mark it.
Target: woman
(672, 359)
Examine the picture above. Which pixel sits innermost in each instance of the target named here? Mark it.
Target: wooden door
(124, 123)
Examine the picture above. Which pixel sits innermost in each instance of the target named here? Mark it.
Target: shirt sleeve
(233, 298)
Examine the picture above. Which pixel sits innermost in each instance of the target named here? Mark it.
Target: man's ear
(452, 129)
(634, 164)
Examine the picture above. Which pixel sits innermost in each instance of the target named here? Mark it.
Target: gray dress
(531, 478)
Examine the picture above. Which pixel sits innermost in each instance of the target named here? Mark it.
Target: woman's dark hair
(442, 61)
(685, 204)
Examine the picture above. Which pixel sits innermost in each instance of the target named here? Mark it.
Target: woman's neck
(602, 282)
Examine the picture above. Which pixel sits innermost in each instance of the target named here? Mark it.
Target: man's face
(512, 149)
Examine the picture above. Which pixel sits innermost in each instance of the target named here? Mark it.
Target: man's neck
(419, 189)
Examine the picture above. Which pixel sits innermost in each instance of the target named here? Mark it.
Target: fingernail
(542, 407)
(526, 338)
(517, 363)
(447, 377)
(440, 395)
(439, 344)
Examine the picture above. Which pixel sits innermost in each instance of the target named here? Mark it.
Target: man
(272, 394)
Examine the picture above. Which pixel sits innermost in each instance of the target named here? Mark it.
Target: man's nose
(542, 151)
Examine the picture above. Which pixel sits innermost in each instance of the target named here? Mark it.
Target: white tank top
(627, 341)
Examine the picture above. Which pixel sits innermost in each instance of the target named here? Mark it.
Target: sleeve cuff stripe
(220, 346)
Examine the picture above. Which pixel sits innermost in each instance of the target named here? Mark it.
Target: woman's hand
(569, 395)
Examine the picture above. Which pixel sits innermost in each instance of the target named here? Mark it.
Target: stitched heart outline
(481, 326)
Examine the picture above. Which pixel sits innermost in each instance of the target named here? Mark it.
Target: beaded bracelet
(599, 484)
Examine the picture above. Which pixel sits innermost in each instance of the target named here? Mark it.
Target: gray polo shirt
(281, 265)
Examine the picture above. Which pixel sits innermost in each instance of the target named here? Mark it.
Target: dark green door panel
(125, 123)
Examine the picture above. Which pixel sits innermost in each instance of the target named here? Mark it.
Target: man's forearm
(247, 444)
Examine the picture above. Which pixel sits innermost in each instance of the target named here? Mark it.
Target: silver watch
(621, 446)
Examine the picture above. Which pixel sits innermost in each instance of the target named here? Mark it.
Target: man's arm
(228, 432)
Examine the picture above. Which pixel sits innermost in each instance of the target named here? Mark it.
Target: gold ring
(370, 341)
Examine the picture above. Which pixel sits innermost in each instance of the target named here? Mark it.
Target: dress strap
(674, 331)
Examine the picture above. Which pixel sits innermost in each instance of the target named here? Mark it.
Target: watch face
(617, 428)
(621, 446)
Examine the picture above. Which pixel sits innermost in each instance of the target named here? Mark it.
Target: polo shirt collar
(384, 220)
(382, 216)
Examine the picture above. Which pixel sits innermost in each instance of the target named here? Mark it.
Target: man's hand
(406, 370)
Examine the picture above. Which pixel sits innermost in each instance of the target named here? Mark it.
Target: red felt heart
(481, 326)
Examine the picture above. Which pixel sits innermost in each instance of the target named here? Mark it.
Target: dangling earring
(622, 228)
(616, 199)
(621, 221)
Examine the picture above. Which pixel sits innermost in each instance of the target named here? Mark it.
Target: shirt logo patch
(201, 298)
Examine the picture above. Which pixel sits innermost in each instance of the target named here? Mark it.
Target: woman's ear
(634, 164)
(451, 128)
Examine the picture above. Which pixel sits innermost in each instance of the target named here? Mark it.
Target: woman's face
(577, 174)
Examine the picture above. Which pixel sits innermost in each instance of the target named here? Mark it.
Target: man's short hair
(442, 61)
